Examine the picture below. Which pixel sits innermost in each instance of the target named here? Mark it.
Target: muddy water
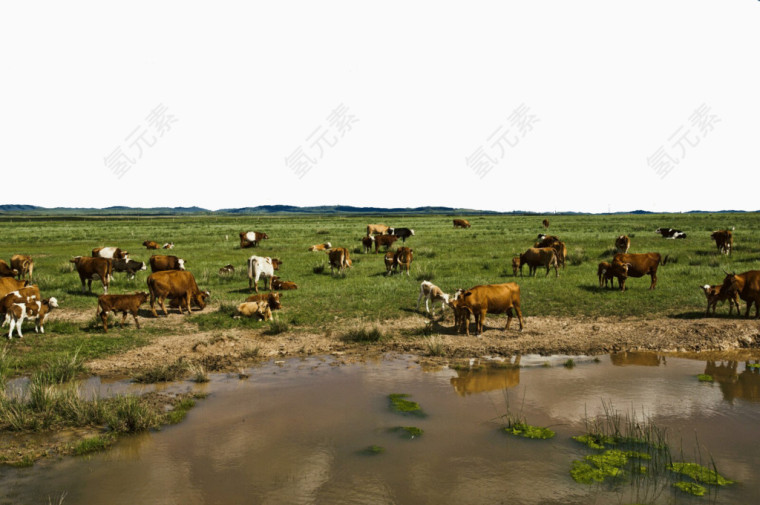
(294, 433)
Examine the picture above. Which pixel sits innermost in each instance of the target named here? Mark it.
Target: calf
(724, 240)
(536, 257)
(110, 253)
(384, 241)
(161, 263)
(430, 291)
(149, 244)
(339, 259)
(258, 267)
(320, 247)
(715, 294)
(462, 315)
(402, 233)
(367, 243)
(126, 304)
(168, 245)
(279, 285)
(251, 238)
(622, 244)
(617, 270)
(461, 223)
(90, 269)
(403, 259)
(389, 263)
(273, 299)
(227, 270)
(601, 272)
(260, 310)
(516, 266)
(30, 308)
(491, 299)
(25, 293)
(7, 271)
(130, 267)
(670, 233)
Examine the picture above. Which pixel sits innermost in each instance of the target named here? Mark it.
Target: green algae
(583, 473)
(527, 431)
(400, 404)
(700, 473)
(410, 432)
(373, 450)
(691, 488)
(703, 377)
(595, 441)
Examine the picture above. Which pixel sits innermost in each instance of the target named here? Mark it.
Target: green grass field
(451, 258)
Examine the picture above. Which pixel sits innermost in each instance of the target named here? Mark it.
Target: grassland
(451, 258)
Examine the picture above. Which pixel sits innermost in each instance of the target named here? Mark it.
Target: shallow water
(294, 433)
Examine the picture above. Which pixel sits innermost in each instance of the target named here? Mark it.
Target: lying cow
(126, 304)
(161, 263)
(545, 240)
(29, 308)
(461, 223)
(149, 244)
(339, 259)
(168, 245)
(273, 299)
(227, 270)
(715, 294)
(251, 238)
(539, 257)
(130, 267)
(320, 247)
(110, 253)
(177, 284)
(622, 244)
(402, 233)
(260, 266)
(670, 233)
(279, 285)
(24, 264)
(259, 310)
(430, 291)
(491, 299)
(6, 270)
(93, 269)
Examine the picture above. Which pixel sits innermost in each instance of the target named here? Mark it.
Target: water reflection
(733, 385)
(637, 358)
(488, 377)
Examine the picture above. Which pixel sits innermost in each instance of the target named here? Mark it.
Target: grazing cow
(367, 243)
(149, 244)
(160, 263)
(110, 253)
(389, 263)
(8, 284)
(546, 240)
(545, 222)
(129, 266)
(461, 223)
(227, 270)
(168, 245)
(260, 266)
(462, 314)
(539, 257)
(279, 285)
(378, 229)
(642, 264)
(340, 259)
(403, 259)
(384, 241)
(724, 239)
(260, 310)
(92, 269)
(622, 244)
(273, 299)
(251, 238)
(430, 291)
(747, 286)
(178, 284)
(617, 270)
(402, 233)
(6, 270)
(320, 247)
(715, 294)
(126, 304)
(516, 266)
(24, 264)
(30, 308)
(561, 249)
(491, 299)
(602, 271)
(670, 233)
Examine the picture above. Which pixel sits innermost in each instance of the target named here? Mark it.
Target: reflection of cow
(469, 382)
(744, 385)
(637, 358)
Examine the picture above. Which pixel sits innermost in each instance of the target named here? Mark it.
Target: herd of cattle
(20, 300)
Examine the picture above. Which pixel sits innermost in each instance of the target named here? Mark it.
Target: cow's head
(51, 302)
(328, 245)
(542, 236)
(276, 262)
(201, 297)
(75, 260)
(261, 236)
(142, 296)
(732, 283)
(181, 263)
(274, 301)
(411, 231)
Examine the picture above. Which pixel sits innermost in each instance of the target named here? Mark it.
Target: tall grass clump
(276, 327)
(364, 335)
(163, 373)
(434, 347)
(131, 414)
(577, 256)
(61, 369)
(6, 366)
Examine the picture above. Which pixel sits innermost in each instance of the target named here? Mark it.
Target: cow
(539, 257)
(462, 314)
(561, 249)
(25, 293)
(110, 253)
(545, 240)
(160, 263)
(273, 299)
(367, 243)
(670, 233)
(260, 266)
(622, 244)
(516, 266)
(747, 286)
(320, 247)
(384, 241)
(280, 285)
(642, 264)
(129, 266)
(430, 291)
(149, 244)
(340, 259)
(227, 270)
(30, 308)
(402, 233)
(491, 299)
(715, 294)
(6, 270)
(126, 304)
(251, 238)
(461, 223)
(617, 270)
(403, 259)
(91, 269)
(8, 284)
(178, 284)
(378, 229)
(24, 264)
(724, 239)
(545, 222)
(260, 310)
(601, 272)
(168, 245)
(389, 262)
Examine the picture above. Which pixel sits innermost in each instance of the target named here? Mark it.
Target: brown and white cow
(715, 294)
(30, 308)
(545, 240)
(178, 284)
(461, 223)
(747, 286)
(320, 247)
(403, 259)
(642, 264)
(384, 241)
(430, 291)
(273, 299)
(280, 285)
(251, 238)
(93, 269)
(110, 253)
(724, 240)
(539, 257)
(376, 229)
(161, 263)
(227, 270)
(491, 299)
(9, 284)
(126, 304)
(24, 264)
(25, 293)
(260, 266)
(339, 259)
(168, 245)
(622, 244)
(6, 270)
(149, 244)
(130, 267)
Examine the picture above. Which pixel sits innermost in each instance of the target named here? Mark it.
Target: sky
(588, 106)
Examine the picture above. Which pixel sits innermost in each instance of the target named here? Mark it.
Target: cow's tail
(664, 261)
(97, 308)
(250, 268)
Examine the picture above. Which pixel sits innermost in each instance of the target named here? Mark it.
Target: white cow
(429, 291)
(260, 266)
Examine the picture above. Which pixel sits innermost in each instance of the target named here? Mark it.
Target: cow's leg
(510, 315)
(161, 304)
(104, 318)
(137, 323)
(654, 280)
(105, 287)
(83, 282)
(187, 303)
(13, 325)
(123, 318)
(519, 315)
(89, 285)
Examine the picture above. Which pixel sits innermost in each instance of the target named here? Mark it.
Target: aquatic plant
(594, 440)
(700, 473)
(525, 430)
(570, 363)
(583, 473)
(199, 373)
(163, 373)
(93, 444)
(409, 432)
(691, 488)
(373, 450)
(703, 377)
(400, 404)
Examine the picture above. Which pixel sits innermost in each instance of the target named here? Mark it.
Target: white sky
(605, 84)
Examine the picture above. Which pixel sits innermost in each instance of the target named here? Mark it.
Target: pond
(298, 432)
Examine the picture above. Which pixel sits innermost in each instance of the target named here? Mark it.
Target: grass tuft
(364, 335)
(163, 373)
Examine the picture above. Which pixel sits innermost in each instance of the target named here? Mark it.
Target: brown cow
(561, 250)
(260, 310)
(545, 240)
(715, 294)
(539, 257)
(462, 314)
(622, 244)
(8, 284)
(461, 223)
(617, 270)
(367, 243)
(545, 222)
(160, 263)
(273, 299)
(747, 286)
(251, 238)
(724, 239)
(389, 263)
(179, 284)
(227, 270)
(110, 253)
(126, 304)
(149, 244)
(91, 269)
(279, 285)
(24, 264)
(642, 264)
(320, 247)
(384, 241)
(492, 299)
(6, 270)
(339, 258)
(603, 272)
(403, 259)
(379, 229)
(516, 266)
